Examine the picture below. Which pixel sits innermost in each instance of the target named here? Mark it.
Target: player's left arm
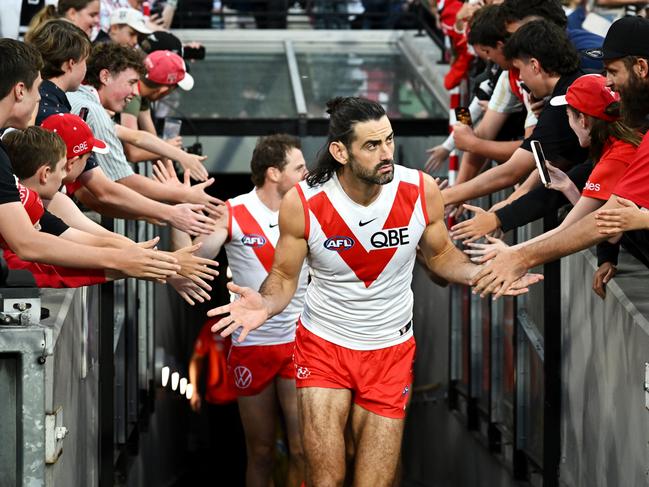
(440, 255)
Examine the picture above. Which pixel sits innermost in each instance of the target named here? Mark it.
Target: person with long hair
(82, 13)
(358, 220)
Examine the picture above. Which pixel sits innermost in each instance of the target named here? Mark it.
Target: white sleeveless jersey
(361, 260)
(253, 232)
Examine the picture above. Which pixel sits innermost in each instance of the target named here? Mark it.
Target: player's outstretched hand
(483, 252)
(499, 274)
(248, 312)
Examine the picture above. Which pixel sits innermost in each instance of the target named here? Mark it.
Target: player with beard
(357, 219)
(626, 57)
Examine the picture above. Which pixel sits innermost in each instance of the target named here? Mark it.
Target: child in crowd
(42, 159)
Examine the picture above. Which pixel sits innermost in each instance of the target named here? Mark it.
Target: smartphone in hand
(463, 115)
(539, 158)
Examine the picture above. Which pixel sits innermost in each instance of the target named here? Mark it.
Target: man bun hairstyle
(58, 41)
(546, 42)
(115, 59)
(344, 114)
(271, 151)
(20, 63)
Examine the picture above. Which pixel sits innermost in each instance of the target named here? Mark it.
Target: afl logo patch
(252, 240)
(339, 243)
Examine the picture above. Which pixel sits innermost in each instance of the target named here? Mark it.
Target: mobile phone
(463, 115)
(539, 158)
(171, 128)
(194, 52)
(526, 88)
(83, 113)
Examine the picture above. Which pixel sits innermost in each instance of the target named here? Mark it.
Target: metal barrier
(516, 361)
(505, 370)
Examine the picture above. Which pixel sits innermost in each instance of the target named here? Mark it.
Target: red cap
(168, 68)
(32, 203)
(75, 133)
(590, 95)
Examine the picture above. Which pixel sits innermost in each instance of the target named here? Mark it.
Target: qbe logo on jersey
(390, 237)
(339, 243)
(253, 240)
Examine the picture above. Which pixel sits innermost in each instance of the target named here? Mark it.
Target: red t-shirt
(633, 185)
(612, 165)
(219, 386)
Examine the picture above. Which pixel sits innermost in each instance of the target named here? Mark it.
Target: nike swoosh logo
(273, 226)
(362, 223)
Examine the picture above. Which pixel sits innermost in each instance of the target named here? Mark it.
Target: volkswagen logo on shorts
(339, 243)
(242, 377)
(253, 240)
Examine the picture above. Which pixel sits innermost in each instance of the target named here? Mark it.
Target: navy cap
(628, 36)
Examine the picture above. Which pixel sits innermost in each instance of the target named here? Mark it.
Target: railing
(509, 378)
(505, 370)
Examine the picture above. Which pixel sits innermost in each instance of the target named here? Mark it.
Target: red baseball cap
(168, 68)
(590, 95)
(75, 133)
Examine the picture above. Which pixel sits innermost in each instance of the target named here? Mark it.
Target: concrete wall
(605, 424)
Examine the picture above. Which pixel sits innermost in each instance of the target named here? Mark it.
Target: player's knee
(261, 453)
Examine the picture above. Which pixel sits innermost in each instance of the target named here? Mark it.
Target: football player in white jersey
(262, 367)
(357, 219)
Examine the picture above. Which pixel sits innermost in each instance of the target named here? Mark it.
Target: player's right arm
(254, 308)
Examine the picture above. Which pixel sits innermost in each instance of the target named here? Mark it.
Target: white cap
(131, 17)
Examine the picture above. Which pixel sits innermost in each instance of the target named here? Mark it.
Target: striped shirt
(503, 100)
(114, 164)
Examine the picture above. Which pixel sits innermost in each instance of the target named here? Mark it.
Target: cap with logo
(168, 68)
(76, 134)
(590, 95)
(628, 36)
(131, 17)
(162, 41)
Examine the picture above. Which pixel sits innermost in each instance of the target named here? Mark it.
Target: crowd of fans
(537, 73)
(76, 113)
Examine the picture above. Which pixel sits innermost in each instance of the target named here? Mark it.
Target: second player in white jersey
(253, 232)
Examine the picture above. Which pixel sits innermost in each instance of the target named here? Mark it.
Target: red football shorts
(380, 379)
(252, 368)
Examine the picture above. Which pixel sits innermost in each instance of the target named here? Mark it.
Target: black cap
(162, 41)
(628, 36)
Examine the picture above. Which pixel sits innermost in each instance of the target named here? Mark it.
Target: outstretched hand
(499, 274)
(247, 313)
(481, 252)
(481, 224)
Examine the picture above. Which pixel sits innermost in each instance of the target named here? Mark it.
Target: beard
(372, 176)
(634, 101)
